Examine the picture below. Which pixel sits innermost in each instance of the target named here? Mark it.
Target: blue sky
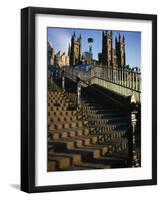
(61, 37)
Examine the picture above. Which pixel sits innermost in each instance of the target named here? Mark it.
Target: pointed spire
(119, 37)
(116, 39)
(103, 34)
(123, 39)
(80, 37)
(69, 49)
(116, 42)
(73, 36)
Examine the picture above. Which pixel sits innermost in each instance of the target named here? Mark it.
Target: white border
(44, 178)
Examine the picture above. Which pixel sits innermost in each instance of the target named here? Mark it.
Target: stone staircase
(89, 136)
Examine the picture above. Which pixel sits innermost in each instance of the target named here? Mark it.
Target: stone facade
(75, 50)
(61, 59)
(50, 54)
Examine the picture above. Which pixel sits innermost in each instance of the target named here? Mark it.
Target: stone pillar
(119, 76)
(122, 79)
(125, 78)
(63, 83)
(136, 81)
(132, 133)
(63, 80)
(129, 79)
(78, 90)
(133, 77)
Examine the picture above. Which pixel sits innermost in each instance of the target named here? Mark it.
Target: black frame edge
(24, 100)
(154, 99)
(27, 101)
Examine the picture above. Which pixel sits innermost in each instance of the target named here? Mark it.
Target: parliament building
(110, 56)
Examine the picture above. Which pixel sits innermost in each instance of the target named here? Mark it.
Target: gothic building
(75, 50)
(113, 57)
(110, 56)
(50, 54)
(61, 59)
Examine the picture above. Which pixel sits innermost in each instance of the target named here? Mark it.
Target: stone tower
(120, 51)
(107, 50)
(50, 54)
(75, 50)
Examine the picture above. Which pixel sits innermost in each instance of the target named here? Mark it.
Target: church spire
(119, 37)
(80, 37)
(123, 39)
(69, 49)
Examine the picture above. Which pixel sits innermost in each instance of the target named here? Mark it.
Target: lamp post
(90, 43)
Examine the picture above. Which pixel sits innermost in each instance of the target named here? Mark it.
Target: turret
(119, 37)
(111, 33)
(74, 36)
(80, 38)
(123, 39)
(69, 49)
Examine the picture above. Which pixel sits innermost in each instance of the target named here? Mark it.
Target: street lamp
(90, 43)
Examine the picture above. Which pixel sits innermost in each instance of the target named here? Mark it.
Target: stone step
(71, 132)
(61, 119)
(74, 158)
(110, 135)
(89, 165)
(98, 119)
(73, 167)
(60, 162)
(58, 126)
(86, 153)
(111, 161)
(53, 108)
(66, 134)
(111, 115)
(52, 165)
(109, 127)
(60, 105)
(110, 148)
(55, 92)
(60, 145)
(62, 113)
(86, 134)
(80, 141)
(56, 98)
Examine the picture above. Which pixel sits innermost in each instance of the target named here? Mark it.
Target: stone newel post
(133, 124)
(78, 90)
(63, 80)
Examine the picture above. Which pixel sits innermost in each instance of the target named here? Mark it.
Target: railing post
(125, 77)
(63, 80)
(122, 81)
(78, 90)
(120, 76)
(136, 80)
(133, 124)
(133, 80)
(130, 79)
(139, 82)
